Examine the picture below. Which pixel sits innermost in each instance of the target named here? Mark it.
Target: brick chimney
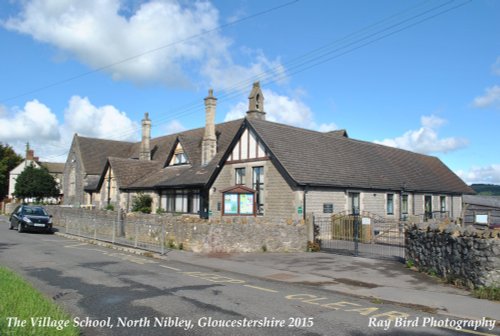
(209, 142)
(256, 103)
(145, 153)
(30, 155)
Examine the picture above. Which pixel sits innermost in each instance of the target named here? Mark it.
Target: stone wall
(229, 234)
(458, 254)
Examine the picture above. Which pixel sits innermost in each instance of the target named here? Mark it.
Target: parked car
(30, 218)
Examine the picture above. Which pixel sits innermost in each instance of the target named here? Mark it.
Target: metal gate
(366, 235)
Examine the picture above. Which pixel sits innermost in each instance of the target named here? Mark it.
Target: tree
(8, 161)
(35, 183)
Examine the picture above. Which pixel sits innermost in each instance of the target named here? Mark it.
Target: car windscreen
(35, 212)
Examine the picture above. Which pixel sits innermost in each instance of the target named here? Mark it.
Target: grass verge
(490, 293)
(20, 301)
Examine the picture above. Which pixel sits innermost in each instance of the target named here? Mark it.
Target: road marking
(262, 288)
(172, 268)
(468, 331)
(77, 246)
(213, 277)
(343, 306)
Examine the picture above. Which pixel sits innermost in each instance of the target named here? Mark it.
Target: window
(240, 175)
(390, 204)
(442, 202)
(404, 204)
(183, 201)
(180, 158)
(327, 207)
(354, 203)
(258, 186)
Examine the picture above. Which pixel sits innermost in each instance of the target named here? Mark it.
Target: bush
(142, 203)
(160, 211)
(110, 207)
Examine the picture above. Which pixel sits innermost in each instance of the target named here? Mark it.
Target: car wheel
(20, 227)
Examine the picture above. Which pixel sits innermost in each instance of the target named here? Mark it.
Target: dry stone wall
(233, 234)
(458, 254)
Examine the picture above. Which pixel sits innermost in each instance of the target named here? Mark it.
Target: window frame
(239, 178)
(326, 207)
(389, 204)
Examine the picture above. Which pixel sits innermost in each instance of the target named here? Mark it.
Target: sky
(419, 75)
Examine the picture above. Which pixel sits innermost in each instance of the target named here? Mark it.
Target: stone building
(254, 167)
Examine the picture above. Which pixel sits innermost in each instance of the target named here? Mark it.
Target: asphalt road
(133, 295)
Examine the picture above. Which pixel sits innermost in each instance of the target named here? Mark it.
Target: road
(125, 294)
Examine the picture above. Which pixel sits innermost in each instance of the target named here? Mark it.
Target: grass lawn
(26, 305)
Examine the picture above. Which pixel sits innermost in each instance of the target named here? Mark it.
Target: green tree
(8, 161)
(37, 183)
(142, 203)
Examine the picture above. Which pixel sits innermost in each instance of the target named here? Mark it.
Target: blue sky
(418, 75)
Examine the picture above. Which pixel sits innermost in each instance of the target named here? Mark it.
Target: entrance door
(354, 203)
(428, 208)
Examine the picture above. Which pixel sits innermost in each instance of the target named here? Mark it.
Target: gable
(248, 147)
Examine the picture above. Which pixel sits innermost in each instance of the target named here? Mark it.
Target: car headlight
(26, 219)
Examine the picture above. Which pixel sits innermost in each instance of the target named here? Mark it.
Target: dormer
(179, 156)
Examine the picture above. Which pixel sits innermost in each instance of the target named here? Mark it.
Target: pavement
(384, 280)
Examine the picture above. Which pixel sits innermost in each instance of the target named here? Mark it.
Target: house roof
(128, 171)
(53, 167)
(193, 173)
(95, 152)
(315, 158)
(489, 201)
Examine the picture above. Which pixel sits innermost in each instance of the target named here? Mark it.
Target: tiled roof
(54, 167)
(193, 173)
(320, 159)
(95, 152)
(128, 171)
(489, 201)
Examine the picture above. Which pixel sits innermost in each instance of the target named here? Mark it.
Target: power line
(150, 51)
(326, 54)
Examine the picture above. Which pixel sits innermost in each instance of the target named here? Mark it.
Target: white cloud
(490, 98)
(97, 33)
(426, 139)
(327, 127)
(51, 138)
(173, 127)
(35, 121)
(107, 122)
(487, 174)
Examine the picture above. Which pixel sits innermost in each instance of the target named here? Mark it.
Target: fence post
(136, 233)
(95, 229)
(162, 239)
(113, 234)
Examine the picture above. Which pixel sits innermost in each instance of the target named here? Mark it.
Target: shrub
(142, 203)
(110, 207)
